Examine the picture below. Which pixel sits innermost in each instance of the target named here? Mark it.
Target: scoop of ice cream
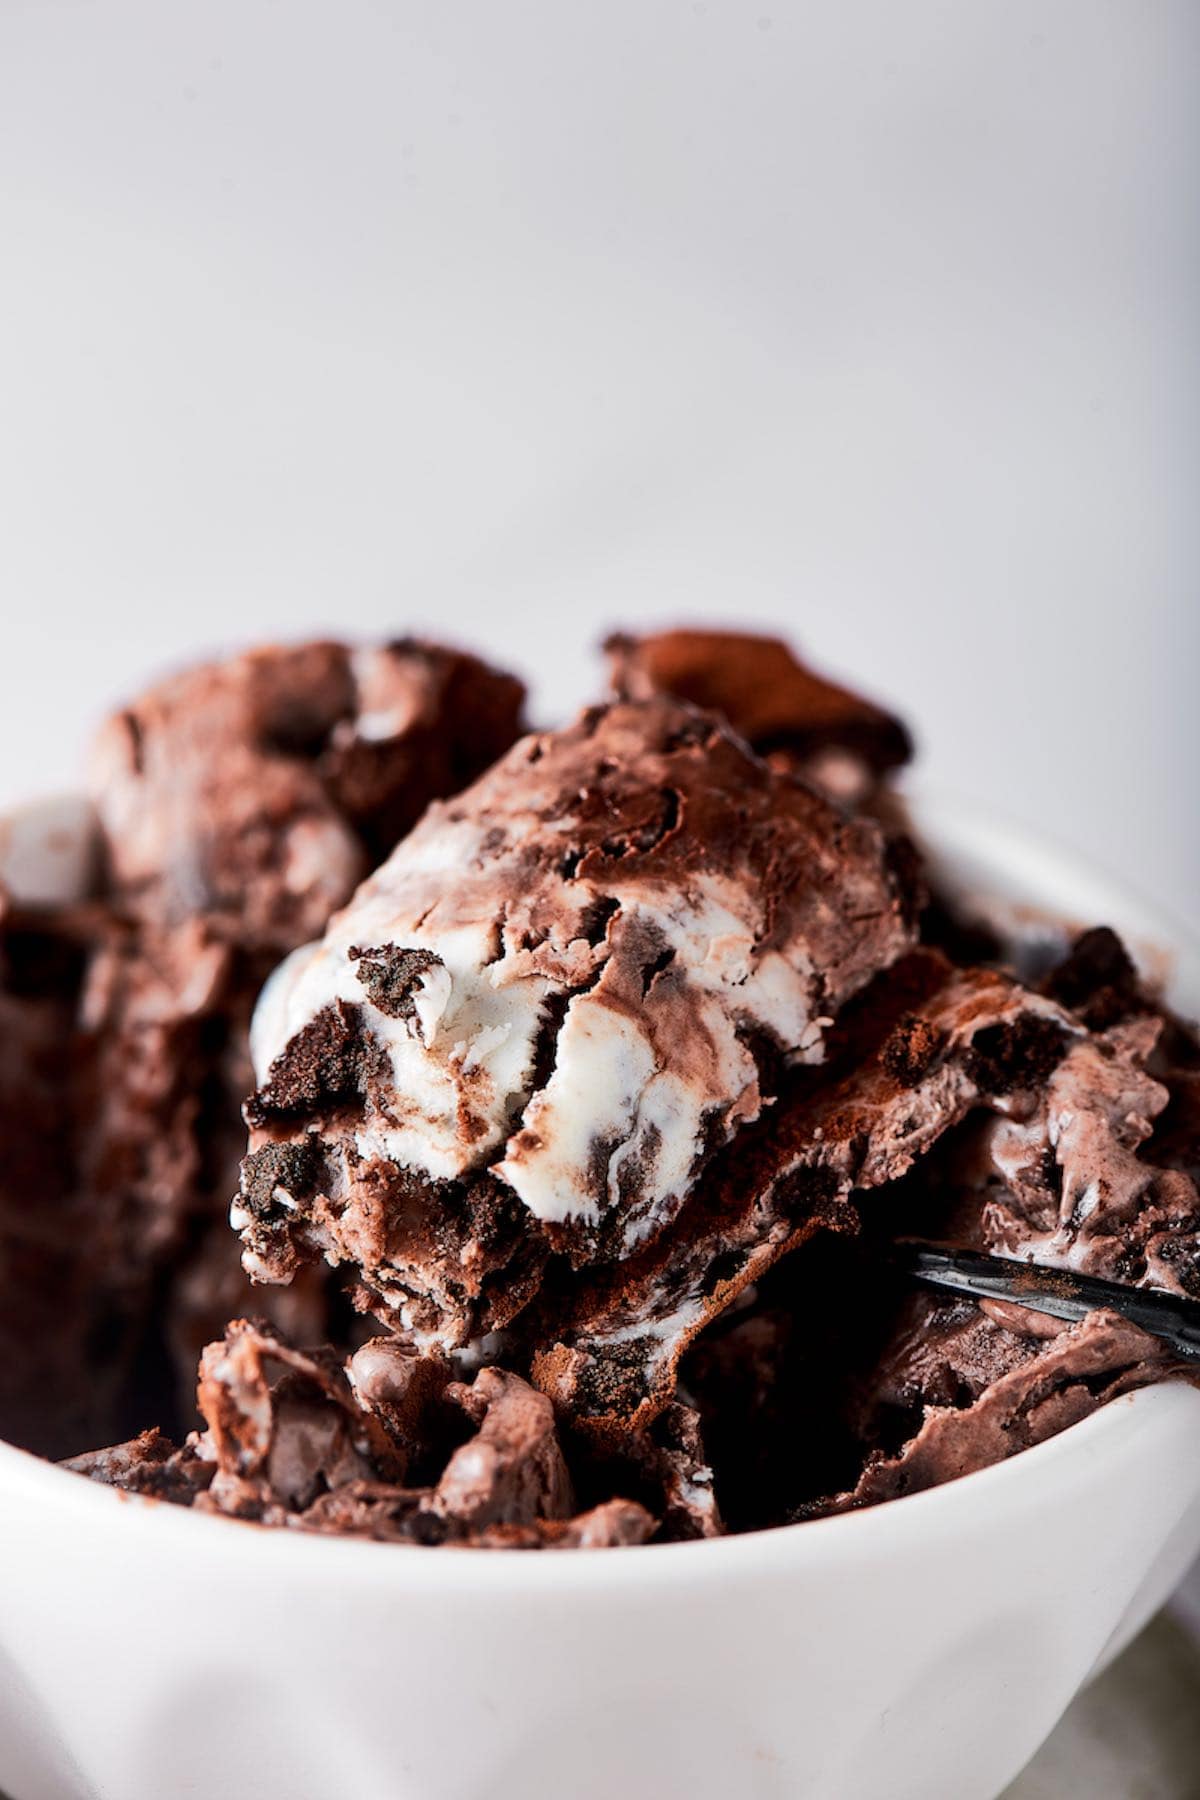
(119, 1137)
(240, 802)
(839, 741)
(257, 791)
(536, 1023)
(105, 1128)
(237, 804)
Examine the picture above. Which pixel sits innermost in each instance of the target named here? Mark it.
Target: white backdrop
(516, 319)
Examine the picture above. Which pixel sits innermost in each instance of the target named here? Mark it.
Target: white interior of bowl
(1012, 875)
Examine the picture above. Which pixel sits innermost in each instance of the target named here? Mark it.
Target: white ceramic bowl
(918, 1651)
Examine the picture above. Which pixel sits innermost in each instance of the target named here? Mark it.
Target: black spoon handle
(1059, 1292)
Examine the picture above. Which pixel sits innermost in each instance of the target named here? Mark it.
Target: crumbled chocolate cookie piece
(325, 1063)
(394, 977)
(279, 1175)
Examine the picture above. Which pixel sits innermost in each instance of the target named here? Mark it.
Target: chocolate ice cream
(257, 792)
(383, 1446)
(238, 804)
(534, 1028)
(590, 1111)
(978, 1382)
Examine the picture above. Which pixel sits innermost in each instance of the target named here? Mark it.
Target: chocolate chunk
(391, 976)
(149, 1464)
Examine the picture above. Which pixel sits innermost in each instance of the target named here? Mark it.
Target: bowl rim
(955, 831)
(1037, 1479)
